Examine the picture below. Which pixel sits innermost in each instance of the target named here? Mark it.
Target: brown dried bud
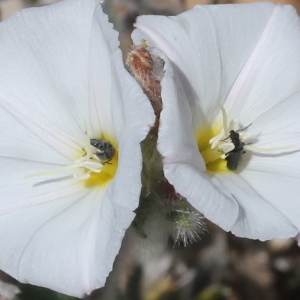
(142, 67)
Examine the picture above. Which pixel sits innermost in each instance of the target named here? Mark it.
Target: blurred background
(219, 266)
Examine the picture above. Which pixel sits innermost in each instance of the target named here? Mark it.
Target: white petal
(65, 237)
(279, 126)
(259, 86)
(277, 180)
(126, 186)
(215, 203)
(54, 244)
(25, 135)
(176, 122)
(183, 164)
(128, 106)
(127, 116)
(223, 56)
(42, 63)
(209, 45)
(258, 217)
(102, 80)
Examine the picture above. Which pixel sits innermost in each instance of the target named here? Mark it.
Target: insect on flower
(105, 150)
(234, 157)
(237, 67)
(66, 206)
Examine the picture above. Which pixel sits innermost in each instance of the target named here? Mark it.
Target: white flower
(242, 60)
(64, 208)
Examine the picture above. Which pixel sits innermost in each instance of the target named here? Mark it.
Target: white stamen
(223, 143)
(84, 166)
(225, 123)
(82, 175)
(234, 125)
(226, 147)
(222, 140)
(215, 140)
(268, 150)
(244, 135)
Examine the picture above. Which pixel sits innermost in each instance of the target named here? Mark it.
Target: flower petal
(102, 82)
(279, 126)
(65, 236)
(238, 56)
(25, 135)
(277, 180)
(200, 44)
(31, 191)
(260, 217)
(109, 80)
(274, 59)
(42, 63)
(176, 117)
(54, 243)
(178, 132)
(128, 116)
(213, 202)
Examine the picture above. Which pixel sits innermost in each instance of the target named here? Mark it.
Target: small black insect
(234, 157)
(105, 150)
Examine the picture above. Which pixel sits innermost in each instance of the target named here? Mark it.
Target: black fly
(234, 157)
(105, 150)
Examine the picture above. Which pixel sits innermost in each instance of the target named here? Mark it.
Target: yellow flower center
(223, 144)
(96, 165)
(108, 170)
(212, 157)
